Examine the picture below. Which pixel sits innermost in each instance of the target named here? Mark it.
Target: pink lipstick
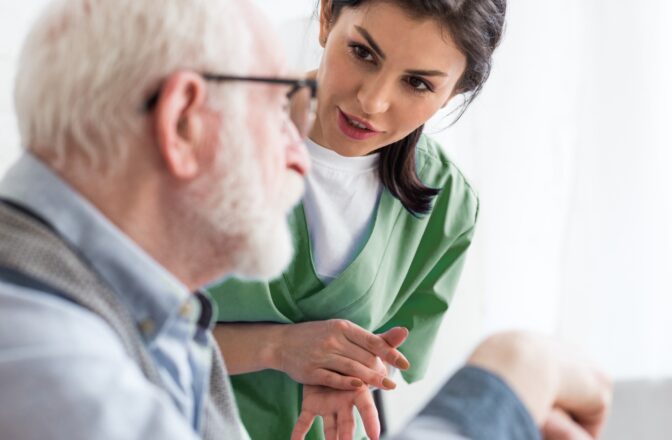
(354, 127)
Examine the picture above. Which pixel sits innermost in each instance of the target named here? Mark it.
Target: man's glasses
(301, 97)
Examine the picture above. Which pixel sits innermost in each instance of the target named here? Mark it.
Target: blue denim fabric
(474, 404)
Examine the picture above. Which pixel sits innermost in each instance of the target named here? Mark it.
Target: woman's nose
(374, 96)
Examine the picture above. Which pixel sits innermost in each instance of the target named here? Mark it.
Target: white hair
(88, 66)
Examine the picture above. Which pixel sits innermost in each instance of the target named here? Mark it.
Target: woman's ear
(178, 123)
(325, 21)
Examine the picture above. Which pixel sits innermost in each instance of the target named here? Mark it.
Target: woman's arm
(334, 353)
(249, 347)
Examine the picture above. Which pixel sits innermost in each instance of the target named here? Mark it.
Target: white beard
(235, 223)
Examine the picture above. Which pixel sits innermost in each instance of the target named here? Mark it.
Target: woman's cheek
(341, 75)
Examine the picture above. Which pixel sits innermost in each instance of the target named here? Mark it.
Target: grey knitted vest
(33, 251)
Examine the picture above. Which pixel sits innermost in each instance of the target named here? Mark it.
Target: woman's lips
(351, 131)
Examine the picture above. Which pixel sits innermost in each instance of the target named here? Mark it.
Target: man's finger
(369, 414)
(586, 395)
(302, 426)
(560, 426)
(330, 428)
(346, 424)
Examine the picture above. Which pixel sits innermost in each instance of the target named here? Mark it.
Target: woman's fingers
(369, 414)
(313, 347)
(347, 366)
(302, 426)
(346, 424)
(330, 427)
(357, 353)
(395, 336)
(374, 344)
(336, 381)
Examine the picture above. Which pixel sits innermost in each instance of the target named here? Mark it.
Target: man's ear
(178, 123)
(325, 21)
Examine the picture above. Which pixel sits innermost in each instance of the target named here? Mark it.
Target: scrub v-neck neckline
(308, 296)
(302, 277)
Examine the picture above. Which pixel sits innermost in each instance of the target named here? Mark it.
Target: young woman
(382, 232)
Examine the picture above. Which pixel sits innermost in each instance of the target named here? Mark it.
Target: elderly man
(162, 154)
(146, 176)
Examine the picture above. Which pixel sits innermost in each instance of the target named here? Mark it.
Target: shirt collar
(322, 156)
(151, 293)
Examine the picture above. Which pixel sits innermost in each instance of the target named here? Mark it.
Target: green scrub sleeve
(432, 285)
(424, 310)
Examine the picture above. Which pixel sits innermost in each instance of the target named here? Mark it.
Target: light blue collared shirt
(63, 371)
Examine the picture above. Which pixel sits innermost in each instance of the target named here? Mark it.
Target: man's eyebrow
(371, 41)
(426, 72)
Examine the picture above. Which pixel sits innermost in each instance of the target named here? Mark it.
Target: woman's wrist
(250, 347)
(271, 355)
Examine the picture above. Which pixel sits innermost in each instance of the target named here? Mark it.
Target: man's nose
(296, 153)
(374, 95)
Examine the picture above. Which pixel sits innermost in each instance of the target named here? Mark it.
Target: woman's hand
(339, 354)
(335, 407)
(334, 353)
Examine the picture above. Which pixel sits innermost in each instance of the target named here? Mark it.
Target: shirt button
(147, 327)
(187, 310)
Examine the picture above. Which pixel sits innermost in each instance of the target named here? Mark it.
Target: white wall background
(570, 148)
(15, 17)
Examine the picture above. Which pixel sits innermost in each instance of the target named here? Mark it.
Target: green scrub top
(405, 275)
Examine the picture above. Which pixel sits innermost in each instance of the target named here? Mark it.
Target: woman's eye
(418, 85)
(361, 52)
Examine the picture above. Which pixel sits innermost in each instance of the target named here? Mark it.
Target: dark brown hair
(476, 27)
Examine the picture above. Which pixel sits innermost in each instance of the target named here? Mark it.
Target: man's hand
(339, 354)
(582, 401)
(336, 409)
(561, 426)
(566, 396)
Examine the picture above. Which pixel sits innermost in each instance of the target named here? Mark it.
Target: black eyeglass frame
(297, 84)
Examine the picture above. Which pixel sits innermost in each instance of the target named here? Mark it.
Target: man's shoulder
(34, 318)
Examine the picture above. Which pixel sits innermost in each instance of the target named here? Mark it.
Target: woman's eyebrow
(426, 72)
(371, 41)
(376, 48)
